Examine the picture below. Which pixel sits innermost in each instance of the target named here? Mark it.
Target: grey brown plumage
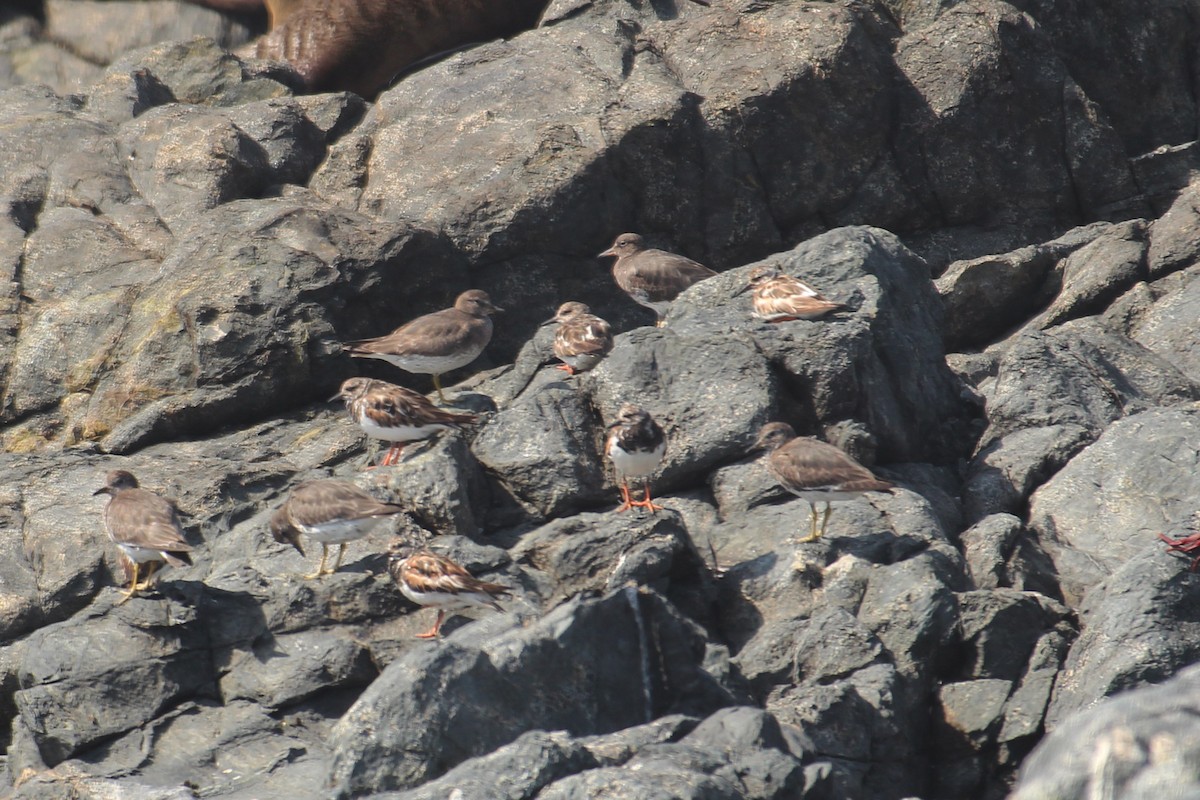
(143, 525)
(653, 278)
(396, 414)
(814, 470)
(430, 579)
(778, 297)
(436, 343)
(330, 512)
(582, 339)
(636, 445)
(362, 45)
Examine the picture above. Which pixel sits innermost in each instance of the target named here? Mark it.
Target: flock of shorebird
(146, 526)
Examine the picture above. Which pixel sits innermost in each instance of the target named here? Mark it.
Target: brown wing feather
(390, 405)
(583, 335)
(441, 333)
(808, 463)
(429, 572)
(659, 274)
(142, 518)
(315, 502)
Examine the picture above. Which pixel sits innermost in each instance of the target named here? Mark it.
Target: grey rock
(1087, 375)
(1115, 746)
(85, 680)
(1137, 629)
(1003, 628)
(1104, 508)
(986, 296)
(604, 552)
(518, 770)
(1163, 327)
(544, 449)
(1095, 274)
(633, 643)
(1174, 241)
(987, 546)
(971, 712)
(101, 33)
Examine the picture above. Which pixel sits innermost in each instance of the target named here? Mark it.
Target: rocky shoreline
(1011, 221)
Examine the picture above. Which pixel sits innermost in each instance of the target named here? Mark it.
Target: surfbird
(814, 470)
(436, 343)
(653, 278)
(395, 414)
(430, 579)
(331, 512)
(144, 526)
(635, 445)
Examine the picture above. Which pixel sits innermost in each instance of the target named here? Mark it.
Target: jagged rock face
(185, 241)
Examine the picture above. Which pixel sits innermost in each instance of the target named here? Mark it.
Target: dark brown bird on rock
(143, 525)
(814, 470)
(653, 278)
(331, 512)
(436, 343)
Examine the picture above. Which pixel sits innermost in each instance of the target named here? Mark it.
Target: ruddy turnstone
(582, 339)
(814, 470)
(652, 278)
(779, 297)
(635, 445)
(330, 511)
(143, 525)
(436, 343)
(429, 579)
(395, 414)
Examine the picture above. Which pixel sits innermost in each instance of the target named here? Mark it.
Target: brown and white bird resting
(143, 525)
(653, 278)
(814, 470)
(430, 579)
(635, 445)
(331, 512)
(778, 297)
(436, 343)
(582, 339)
(396, 414)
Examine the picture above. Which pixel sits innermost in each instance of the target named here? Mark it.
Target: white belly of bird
(432, 365)
(140, 554)
(399, 433)
(339, 531)
(826, 495)
(445, 599)
(638, 463)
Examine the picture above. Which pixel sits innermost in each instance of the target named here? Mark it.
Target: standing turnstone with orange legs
(651, 277)
(582, 339)
(635, 445)
(814, 470)
(330, 512)
(779, 297)
(429, 579)
(436, 343)
(143, 525)
(395, 414)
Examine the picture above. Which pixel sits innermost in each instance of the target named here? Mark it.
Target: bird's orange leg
(646, 502)
(393, 455)
(433, 632)
(567, 368)
(626, 499)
